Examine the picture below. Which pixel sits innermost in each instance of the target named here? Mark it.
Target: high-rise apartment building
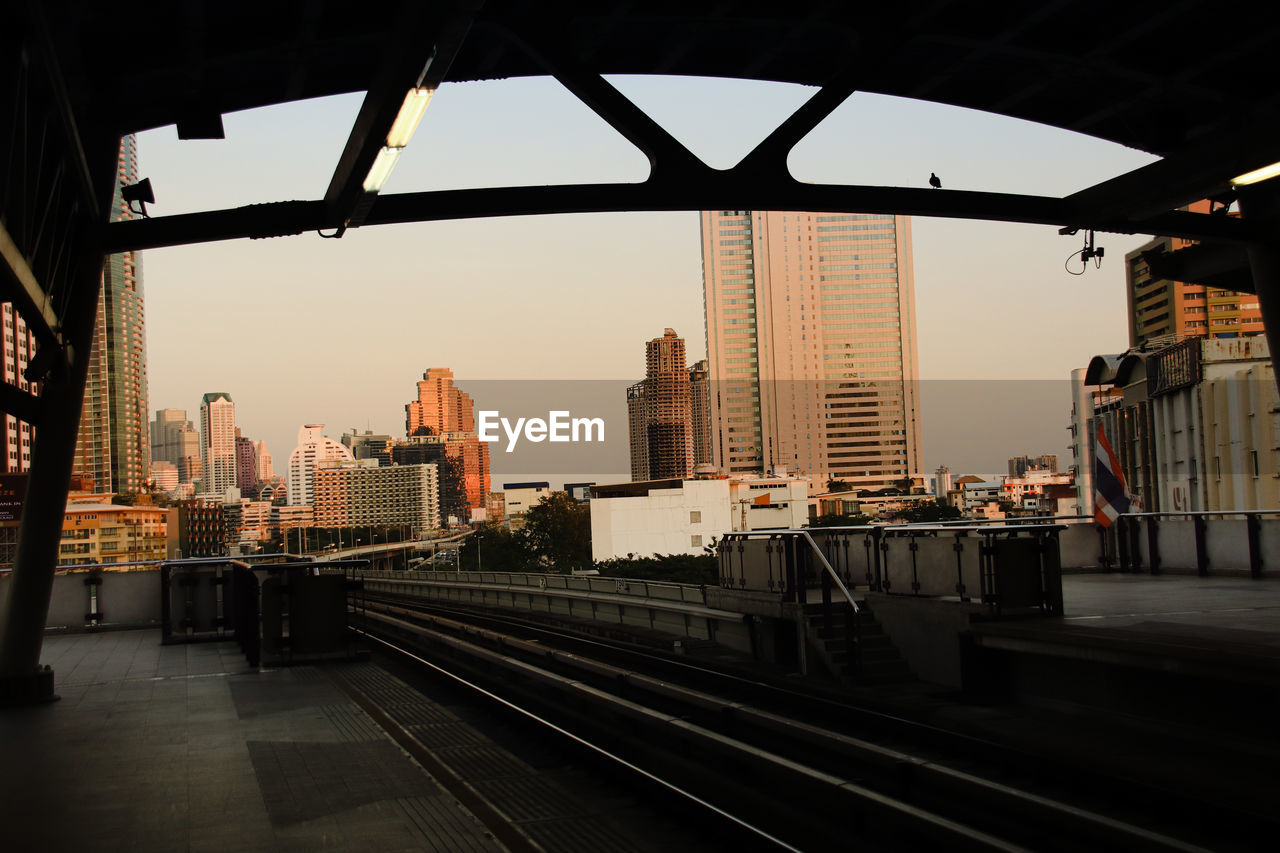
(314, 450)
(1169, 311)
(18, 347)
(246, 464)
(113, 449)
(447, 411)
(660, 413)
(362, 493)
(811, 344)
(218, 442)
(700, 413)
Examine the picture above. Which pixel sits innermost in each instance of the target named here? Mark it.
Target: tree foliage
(500, 550)
(837, 520)
(453, 489)
(928, 511)
(676, 568)
(558, 530)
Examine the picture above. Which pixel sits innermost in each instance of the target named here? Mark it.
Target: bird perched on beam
(934, 181)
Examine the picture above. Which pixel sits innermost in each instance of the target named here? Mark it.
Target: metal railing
(1195, 539)
(795, 570)
(1012, 566)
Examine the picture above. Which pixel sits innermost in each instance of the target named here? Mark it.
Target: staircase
(880, 661)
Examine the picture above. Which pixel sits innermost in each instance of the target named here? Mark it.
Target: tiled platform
(182, 748)
(1130, 600)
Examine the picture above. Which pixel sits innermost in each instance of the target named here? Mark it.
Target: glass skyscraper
(811, 344)
(113, 449)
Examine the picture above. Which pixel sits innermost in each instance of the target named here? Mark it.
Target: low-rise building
(1195, 425)
(687, 516)
(99, 533)
(519, 498)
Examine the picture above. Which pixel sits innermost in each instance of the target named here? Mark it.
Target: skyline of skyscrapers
(811, 344)
(113, 446)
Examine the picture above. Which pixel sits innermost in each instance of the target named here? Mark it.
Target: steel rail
(941, 778)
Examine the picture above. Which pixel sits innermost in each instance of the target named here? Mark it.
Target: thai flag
(1110, 497)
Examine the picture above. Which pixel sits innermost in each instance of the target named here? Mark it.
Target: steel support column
(22, 679)
(1260, 203)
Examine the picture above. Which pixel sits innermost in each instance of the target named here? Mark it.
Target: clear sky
(305, 330)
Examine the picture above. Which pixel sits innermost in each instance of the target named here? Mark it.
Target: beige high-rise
(811, 344)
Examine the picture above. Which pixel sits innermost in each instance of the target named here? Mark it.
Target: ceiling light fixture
(1257, 175)
(411, 111)
(381, 169)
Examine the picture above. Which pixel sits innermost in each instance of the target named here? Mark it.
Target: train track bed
(808, 766)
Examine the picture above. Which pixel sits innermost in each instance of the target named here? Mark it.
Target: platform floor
(1131, 600)
(183, 748)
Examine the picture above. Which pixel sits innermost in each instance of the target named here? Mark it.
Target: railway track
(783, 767)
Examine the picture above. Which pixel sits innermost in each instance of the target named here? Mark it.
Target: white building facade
(314, 449)
(687, 516)
(1195, 425)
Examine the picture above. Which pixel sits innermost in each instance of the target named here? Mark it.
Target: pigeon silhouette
(934, 181)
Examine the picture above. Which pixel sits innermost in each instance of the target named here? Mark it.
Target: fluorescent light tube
(381, 169)
(1257, 175)
(415, 104)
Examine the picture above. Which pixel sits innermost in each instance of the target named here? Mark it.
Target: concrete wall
(926, 632)
(679, 609)
(124, 599)
(663, 522)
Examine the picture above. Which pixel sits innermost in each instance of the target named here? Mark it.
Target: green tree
(558, 532)
(499, 550)
(676, 568)
(838, 486)
(835, 520)
(922, 512)
(453, 490)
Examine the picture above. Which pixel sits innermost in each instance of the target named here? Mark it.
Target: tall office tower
(314, 450)
(660, 413)
(811, 344)
(113, 445)
(1159, 308)
(218, 442)
(175, 440)
(700, 413)
(262, 458)
(246, 465)
(449, 412)
(19, 346)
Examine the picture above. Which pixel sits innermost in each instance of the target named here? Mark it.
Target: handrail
(748, 534)
(830, 570)
(1198, 513)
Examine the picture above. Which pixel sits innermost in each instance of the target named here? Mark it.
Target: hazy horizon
(304, 330)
